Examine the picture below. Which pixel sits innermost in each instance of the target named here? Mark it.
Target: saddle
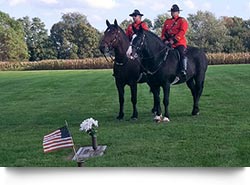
(174, 51)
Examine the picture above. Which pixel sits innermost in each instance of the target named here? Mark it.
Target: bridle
(111, 47)
(110, 44)
(138, 48)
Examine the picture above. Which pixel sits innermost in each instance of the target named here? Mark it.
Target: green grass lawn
(32, 104)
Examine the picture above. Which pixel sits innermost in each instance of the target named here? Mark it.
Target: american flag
(57, 139)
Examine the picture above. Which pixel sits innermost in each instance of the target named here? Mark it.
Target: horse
(125, 70)
(162, 66)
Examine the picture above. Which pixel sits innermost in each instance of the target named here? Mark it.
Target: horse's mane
(155, 37)
(123, 34)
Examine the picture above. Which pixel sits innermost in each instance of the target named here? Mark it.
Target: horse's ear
(115, 23)
(108, 23)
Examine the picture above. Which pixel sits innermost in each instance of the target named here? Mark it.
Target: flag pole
(66, 123)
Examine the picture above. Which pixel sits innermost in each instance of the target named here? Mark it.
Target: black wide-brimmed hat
(175, 8)
(135, 13)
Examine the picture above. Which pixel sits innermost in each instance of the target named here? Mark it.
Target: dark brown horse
(126, 71)
(162, 65)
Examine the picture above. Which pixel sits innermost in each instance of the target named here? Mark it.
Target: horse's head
(137, 44)
(145, 45)
(110, 40)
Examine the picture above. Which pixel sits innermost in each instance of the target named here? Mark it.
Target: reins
(112, 59)
(166, 48)
(159, 65)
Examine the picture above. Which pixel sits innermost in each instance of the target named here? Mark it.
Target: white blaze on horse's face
(129, 51)
(133, 37)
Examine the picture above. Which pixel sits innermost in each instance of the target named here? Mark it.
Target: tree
(124, 24)
(62, 41)
(246, 35)
(12, 44)
(86, 40)
(238, 31)
(159, 22)
(149, 23)
(74, 37)
(207, 32)
(37, 39)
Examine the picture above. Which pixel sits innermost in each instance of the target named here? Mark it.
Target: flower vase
(94, 142)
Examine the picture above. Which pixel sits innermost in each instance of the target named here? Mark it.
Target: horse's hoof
(119, 118)
(194, 113)
(166, 119)
(157, 118)
(134, 118)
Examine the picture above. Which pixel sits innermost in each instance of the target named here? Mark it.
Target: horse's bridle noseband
(111, 47)
(138, 48)
(111, 43)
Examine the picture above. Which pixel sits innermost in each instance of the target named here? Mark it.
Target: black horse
(125, 71)
(162, 65)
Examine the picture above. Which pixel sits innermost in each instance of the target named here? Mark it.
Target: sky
(97, 11)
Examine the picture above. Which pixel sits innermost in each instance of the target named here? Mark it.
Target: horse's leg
(120, 88)
(199, 84)
(191, 85)
(196, 86)
(157, 108)
(156, 95)
(133, 89)
(166, 91)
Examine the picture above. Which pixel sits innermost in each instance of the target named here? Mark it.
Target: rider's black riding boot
(184, 67)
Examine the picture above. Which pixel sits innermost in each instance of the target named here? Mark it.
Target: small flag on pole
(57, 139)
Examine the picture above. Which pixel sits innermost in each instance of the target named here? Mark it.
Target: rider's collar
(175, 17)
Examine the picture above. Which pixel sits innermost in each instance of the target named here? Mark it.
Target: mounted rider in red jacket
(173, 32)
(136, 24)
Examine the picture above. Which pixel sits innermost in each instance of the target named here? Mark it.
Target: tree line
(75, 38)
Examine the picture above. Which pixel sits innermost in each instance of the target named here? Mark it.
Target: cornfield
(102, 63)
(233, 58)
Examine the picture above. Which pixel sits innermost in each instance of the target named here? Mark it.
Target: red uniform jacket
(129, 31)
(175, 29)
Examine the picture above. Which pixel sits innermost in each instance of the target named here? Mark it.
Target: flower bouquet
(90, 126)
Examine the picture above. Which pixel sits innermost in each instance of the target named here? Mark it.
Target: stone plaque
(84, 153)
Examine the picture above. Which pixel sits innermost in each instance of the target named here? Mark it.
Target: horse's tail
(205, 60)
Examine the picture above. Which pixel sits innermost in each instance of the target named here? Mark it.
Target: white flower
(88, 124)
